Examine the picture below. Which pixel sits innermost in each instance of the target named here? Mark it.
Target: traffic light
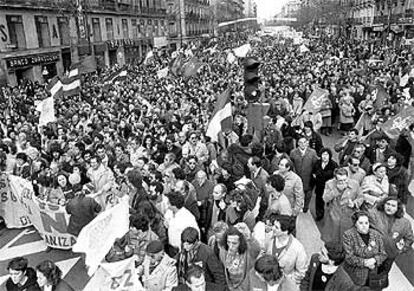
(251, 80)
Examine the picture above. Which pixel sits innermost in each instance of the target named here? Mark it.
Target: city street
(27, 242)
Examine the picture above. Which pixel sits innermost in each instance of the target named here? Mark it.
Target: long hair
(52, 272)
(232, 231)
(400, 209)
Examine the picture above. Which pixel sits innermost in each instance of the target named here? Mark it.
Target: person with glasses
(342, 197)
(355, 172)
(359, 152)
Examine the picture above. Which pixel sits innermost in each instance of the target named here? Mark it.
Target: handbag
(377, 280)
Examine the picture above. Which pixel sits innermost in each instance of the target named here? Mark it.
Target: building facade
(123, 31)
(40, 39)
(36, 39)
(362, 14)
(250, 9)
(188, 21)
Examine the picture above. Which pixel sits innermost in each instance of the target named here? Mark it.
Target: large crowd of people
(222, 215)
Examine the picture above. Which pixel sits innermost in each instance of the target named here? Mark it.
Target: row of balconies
(357, 4)
(91, 5)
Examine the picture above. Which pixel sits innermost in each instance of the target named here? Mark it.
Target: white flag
(242, 51)
(117, 276)
(149, 55)
(162, 73)
(404, 80)
(97, 238)
(303, 49)
(231, 58)
(47, 111)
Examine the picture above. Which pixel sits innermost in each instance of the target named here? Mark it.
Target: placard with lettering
(50, 220)
(13, 213)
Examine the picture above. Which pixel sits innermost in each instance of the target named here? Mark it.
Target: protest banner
(97, 238)
(47, 111)
(394, 126)
(316, 100)
(50, 220)
(242, 51)
(117, 276)
(163, 73)
(14, 215)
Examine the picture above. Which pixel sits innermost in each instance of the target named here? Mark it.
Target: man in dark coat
(21, 276)
(82, 210)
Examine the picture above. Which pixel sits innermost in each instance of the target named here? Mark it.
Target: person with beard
(397, 177)
(22, 277)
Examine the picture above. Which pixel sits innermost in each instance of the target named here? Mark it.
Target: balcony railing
(38, 3)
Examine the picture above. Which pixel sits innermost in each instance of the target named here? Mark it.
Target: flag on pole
(47, 111)
(242, 51)
(163, 73)
(231, 58)
(381, 97)
(221, 117)
(316, 100)
(119, 75)
(404, 80)
(55, 87)
(176, 65)
(303, 49)
(72, 83)
(394, 126)
(149, 56)
(191, 68)
(97, 237)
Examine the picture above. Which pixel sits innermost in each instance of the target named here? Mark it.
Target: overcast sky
(268, 8)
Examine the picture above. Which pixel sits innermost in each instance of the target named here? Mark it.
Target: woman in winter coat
(396, 231)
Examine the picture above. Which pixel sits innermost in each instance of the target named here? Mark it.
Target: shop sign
(32, 60)
(115, 43)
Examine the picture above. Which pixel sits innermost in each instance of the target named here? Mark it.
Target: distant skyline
(268, 8)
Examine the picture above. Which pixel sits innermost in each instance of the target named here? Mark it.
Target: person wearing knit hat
(158, 271)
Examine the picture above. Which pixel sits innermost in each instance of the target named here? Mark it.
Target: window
(125, 28)
(156, 28)
(96, 26)
(63, 26)
(109, 28)
(16, 31)
(42, 28)
(134, 28)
